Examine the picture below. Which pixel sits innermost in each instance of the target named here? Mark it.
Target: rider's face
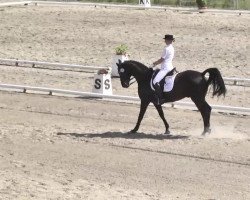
(168, 42)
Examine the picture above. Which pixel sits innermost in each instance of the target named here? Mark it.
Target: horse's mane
(136, 64)
(140, 68)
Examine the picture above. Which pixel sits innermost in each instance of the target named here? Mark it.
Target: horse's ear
(119, 63)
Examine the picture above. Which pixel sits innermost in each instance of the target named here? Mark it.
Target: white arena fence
(53, 91)
(51, 3)
(16, 62)
(237, 81)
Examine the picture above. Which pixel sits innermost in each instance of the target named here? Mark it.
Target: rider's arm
(158, 62)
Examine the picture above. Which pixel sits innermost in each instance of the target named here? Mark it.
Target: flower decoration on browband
(122, 70)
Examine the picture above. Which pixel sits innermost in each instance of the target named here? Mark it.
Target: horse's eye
(122, 70)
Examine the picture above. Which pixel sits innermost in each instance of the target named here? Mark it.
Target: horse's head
(125, 73)
(131, 68)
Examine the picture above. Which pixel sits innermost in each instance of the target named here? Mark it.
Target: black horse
(189, 83)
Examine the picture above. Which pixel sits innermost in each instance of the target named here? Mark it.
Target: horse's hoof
(167, 132)
(132, 132)
(206, 131)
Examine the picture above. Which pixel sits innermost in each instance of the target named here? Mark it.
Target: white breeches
(160, 75)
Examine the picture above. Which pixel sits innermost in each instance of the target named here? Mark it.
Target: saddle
(162, 82)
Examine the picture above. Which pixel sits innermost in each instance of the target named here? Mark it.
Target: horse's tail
(216, 80)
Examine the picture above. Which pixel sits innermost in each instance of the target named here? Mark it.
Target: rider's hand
(152, 65)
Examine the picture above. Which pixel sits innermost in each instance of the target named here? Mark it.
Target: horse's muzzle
(125, 84)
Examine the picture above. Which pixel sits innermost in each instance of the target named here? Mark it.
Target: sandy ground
(71, 148)
(89, 36)
(58, 148)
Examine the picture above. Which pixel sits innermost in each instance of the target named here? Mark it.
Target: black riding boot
(158, 91)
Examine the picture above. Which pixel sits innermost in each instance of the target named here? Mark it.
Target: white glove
(152, 65)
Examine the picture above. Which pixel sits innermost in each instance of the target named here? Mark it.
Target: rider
(166, 65)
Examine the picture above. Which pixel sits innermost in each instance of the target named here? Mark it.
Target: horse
(189, 83)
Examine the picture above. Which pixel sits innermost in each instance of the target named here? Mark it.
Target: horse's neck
(143, 76)
(140, 72)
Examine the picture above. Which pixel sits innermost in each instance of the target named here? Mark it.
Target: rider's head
(169, 39)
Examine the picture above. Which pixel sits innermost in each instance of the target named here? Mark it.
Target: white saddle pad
(169, 83)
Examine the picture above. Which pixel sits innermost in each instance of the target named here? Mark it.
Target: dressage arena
(57, 147)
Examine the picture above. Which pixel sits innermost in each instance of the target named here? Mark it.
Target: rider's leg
(157, 86)
(160, 76)
(159, 93)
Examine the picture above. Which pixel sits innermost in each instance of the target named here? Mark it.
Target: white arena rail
(23, 88)
(15, 3)
(17, 62)
(237, 81)
(51, 3)
(137, 7)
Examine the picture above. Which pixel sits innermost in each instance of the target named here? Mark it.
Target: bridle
(132, 78)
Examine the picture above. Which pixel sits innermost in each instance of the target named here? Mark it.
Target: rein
(132, 78)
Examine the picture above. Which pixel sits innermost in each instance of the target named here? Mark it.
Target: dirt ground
(64, 148)
(72, 148)
(84, 35)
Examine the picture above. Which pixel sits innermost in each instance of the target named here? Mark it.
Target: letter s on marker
(97, 84)
(107, 84)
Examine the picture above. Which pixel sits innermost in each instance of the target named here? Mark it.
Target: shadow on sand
(125, 135)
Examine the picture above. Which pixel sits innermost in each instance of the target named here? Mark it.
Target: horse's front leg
(144, 105)
(160, 111)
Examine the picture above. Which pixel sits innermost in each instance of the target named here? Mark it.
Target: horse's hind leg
(160, 111)
(205, 111)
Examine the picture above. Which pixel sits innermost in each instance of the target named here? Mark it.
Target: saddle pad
(169, 83)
